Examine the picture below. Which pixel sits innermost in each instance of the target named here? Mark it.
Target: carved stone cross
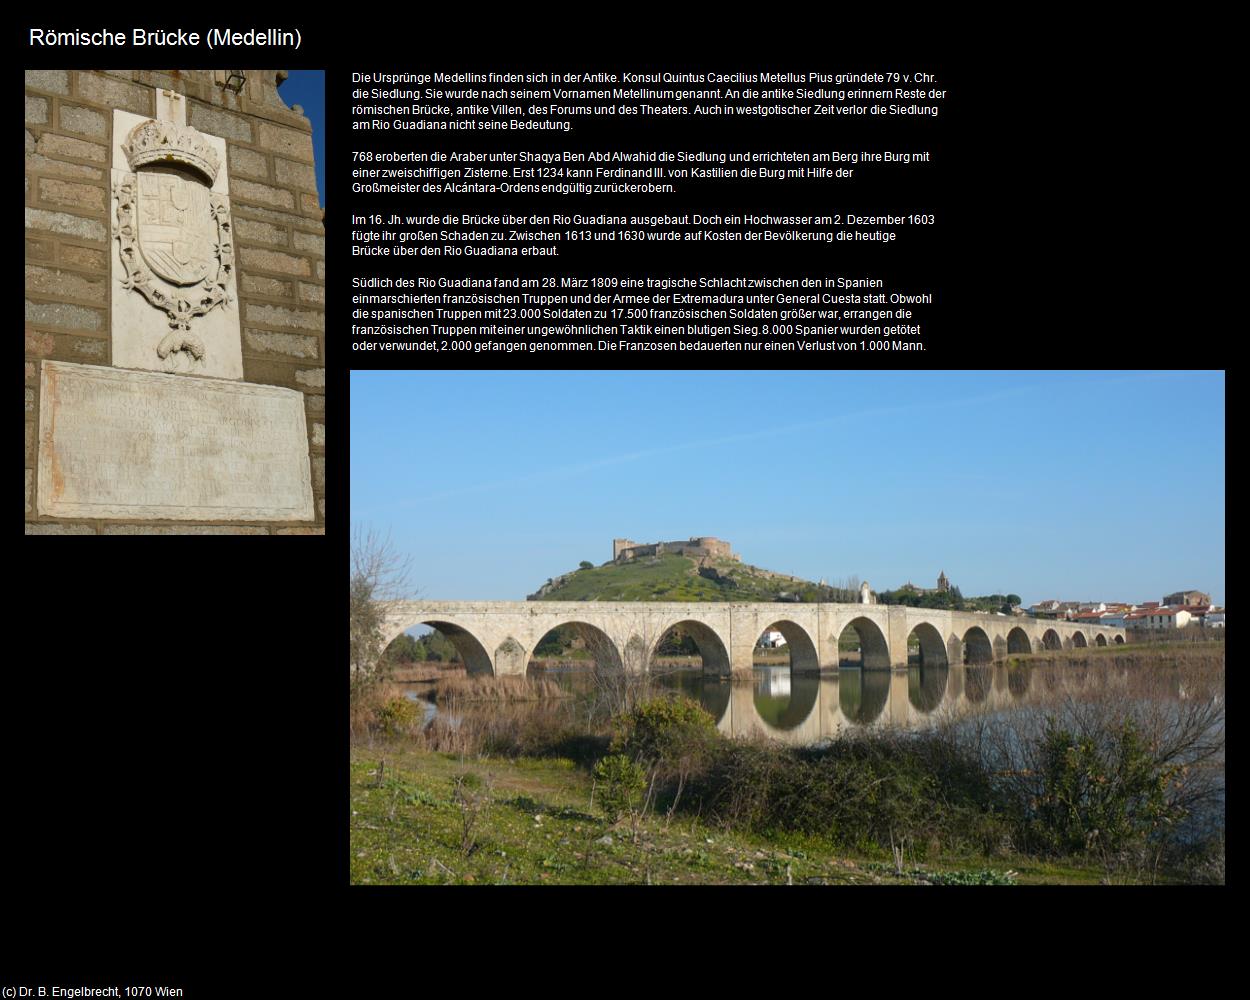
(171, 107)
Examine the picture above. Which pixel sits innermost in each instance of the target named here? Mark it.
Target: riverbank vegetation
(1189, 654)
(1111, 786)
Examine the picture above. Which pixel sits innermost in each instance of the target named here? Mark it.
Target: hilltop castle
(624, 549)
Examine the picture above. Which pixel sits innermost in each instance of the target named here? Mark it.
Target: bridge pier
(899, 630)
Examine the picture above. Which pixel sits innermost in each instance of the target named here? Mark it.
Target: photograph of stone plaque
(175, 302)
(118, 444)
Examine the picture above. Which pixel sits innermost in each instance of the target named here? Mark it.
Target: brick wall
(279, 248)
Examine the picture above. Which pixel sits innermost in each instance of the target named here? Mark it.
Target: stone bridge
(498, 637)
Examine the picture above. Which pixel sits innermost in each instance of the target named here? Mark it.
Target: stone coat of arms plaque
(174, 295)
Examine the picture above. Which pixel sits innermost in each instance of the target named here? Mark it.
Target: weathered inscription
(120, 444)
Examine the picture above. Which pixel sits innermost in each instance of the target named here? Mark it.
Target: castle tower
(943, 584)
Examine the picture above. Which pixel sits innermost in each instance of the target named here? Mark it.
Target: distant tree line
(949, 600)
(433, 647)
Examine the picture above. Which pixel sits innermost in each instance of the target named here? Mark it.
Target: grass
(514, 800)
(540, 827)
(1128, 655)
(498, 689)
(672, 578)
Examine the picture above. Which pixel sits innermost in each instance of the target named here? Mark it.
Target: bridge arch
(874, 650)
(802, 649)
(471, 649)
(1051, 640)
(1018, 641)
(977, 646)
(932, 648)
(712, 648)
(1119, 640)
(598, 643)
(1100, 639)
(1078, 640)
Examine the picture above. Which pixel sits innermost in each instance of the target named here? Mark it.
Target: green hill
(672, 577)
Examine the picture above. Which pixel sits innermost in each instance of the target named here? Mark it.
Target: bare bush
(379, 578)
(471, 794)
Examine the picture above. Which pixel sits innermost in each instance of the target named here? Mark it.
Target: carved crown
(163, 142)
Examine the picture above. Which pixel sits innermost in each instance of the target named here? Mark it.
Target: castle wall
(624, 549)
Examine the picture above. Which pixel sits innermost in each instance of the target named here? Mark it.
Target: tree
(405, 649)
(379, 578)
(584, 564)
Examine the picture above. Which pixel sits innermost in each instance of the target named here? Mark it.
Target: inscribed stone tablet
(137, 445)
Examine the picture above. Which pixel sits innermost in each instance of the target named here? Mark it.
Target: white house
(1159, 618)
(772, 639)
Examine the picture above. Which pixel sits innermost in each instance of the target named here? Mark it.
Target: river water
(807, 709)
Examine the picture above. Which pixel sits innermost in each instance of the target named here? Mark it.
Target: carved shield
(176, 227)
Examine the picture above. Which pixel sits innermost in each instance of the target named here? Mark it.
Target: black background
(176, 752)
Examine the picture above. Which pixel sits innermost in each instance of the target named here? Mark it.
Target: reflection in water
(782, 700)
(710, 692)
(804, 709)
(977, 683)
(863, 694)
(926, 686)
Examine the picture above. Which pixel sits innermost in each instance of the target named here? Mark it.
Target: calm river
(805, 709)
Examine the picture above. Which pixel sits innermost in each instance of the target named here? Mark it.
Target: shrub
(664, 731)
(864, 793)
(396, 716)
(620, 783)
(1107, 793)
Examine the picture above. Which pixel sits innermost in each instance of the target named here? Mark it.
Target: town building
(1185, 597)
(1166, 618)
(943, 586)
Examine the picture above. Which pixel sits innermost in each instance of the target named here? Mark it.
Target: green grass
(672, 578)
(541, 828)
(1212, 650)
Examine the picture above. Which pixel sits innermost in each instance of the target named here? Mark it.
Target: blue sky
(1076, 486)
(307, 88)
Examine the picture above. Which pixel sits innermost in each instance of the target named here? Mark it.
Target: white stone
(124, 123)
(171, 106)
(133, 445)
(138, 327)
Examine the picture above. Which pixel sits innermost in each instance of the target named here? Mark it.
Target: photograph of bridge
(542, 583)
